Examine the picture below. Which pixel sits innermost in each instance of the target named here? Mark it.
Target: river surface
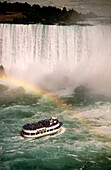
(50, 62)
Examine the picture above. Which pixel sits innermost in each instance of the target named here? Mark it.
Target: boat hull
(40, 134)
(32, 134)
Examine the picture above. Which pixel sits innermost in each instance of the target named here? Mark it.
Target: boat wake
(62, 130)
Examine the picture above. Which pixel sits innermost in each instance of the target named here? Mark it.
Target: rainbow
(38, 91)
(33, 89)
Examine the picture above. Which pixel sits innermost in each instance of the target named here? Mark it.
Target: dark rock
(2, 71)
(81, 89)
(18, 90)
(3, 88)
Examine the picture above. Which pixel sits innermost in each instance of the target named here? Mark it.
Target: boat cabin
(53, 120)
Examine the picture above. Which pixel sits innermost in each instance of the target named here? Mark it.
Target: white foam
(58, 58)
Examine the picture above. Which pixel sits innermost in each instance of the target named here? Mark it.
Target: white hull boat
(41, 128)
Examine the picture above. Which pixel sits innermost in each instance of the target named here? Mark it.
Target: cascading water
(58, 59)
(64, 56)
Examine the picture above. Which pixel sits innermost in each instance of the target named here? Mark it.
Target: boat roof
(37, 125)
(54, 118)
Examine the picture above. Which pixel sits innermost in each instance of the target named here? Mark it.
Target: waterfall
(69, 54)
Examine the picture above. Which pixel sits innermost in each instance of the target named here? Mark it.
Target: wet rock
(18, 90)
(81, 90)
(3, 88)
(2, 71)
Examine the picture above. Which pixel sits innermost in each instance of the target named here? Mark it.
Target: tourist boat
(41, 128)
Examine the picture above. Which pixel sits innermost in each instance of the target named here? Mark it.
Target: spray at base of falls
(58, 58)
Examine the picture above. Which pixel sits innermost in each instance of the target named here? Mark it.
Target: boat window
(51, 129)
(48, 130)
(32, 133)
(25, 133)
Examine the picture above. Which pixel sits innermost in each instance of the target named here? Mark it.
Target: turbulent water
(57, 59)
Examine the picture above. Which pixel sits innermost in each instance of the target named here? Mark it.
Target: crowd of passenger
(37, 125)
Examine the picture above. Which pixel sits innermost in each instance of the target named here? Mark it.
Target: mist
(77, 56)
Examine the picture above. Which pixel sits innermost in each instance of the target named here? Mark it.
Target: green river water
(58, 59)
